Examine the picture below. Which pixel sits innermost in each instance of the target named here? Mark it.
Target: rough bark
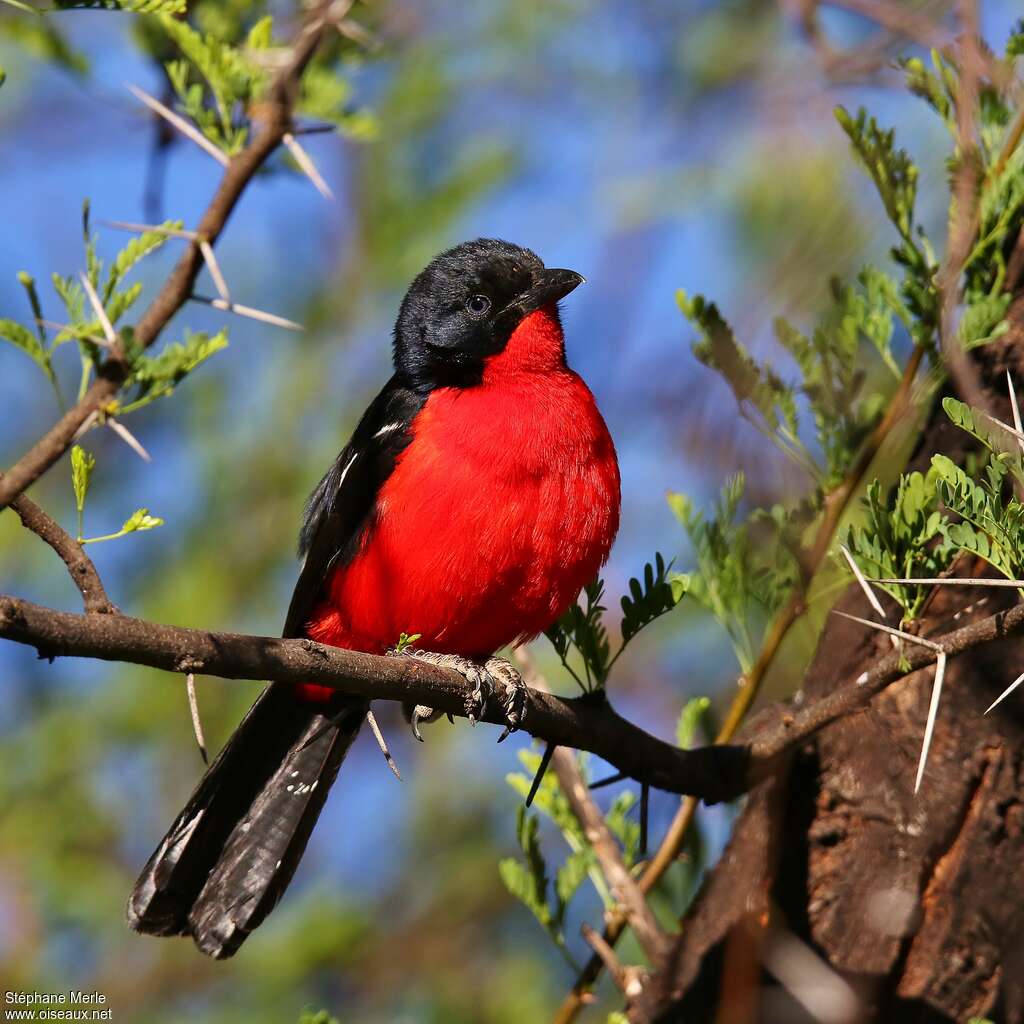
(917, 901)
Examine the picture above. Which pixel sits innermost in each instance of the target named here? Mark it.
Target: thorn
(211, 261)
(253, 314)
(129, 438)
(960, 581)
(87, 424)
(1016, 410)
(101, 314)
(193, 707)
(57, 326)
(371, 720)
(541, 771)
(186, 129)
(306, 165)
(1006, 693)
(922, 641)
(933, 710)
(124, 225)
(868, 592)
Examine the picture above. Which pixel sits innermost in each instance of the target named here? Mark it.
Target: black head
(465, 305)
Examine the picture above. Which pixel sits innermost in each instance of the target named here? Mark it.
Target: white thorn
(186, 129)
(923, 641)
(1006, 693)
(159, 229)
(305, 162)
(193, 707)
(1016, 410)
(933, 710)
(211, 261)
(371, 719)
(248, 311)
(129, 439)
(868, 592)
(961, 581)
(101, 314)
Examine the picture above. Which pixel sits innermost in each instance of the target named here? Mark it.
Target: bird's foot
(495, 677)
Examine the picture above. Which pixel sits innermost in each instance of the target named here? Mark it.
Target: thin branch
(79, 565)
(623, 885)
(272, 118)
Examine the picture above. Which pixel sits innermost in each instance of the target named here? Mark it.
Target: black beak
(551, 286)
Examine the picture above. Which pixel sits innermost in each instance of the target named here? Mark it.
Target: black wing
(342, 505)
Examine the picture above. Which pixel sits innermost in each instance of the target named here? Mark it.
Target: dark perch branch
(712, 773)
(272, 118)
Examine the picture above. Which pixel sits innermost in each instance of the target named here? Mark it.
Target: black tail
(232, 851)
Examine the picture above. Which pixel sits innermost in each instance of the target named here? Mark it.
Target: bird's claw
(495, 676)
(514, 700)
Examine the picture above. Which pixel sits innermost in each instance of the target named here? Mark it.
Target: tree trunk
(915, 902)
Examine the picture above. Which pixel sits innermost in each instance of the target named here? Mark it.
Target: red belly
(502, 507)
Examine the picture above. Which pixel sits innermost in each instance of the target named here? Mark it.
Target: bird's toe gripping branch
(495, 677)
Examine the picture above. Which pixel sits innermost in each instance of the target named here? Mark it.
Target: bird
(478, 494)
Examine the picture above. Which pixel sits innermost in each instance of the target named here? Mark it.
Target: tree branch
(713, 773)
(80, 567)
(583, 723)
(272, 117)
(623, 885)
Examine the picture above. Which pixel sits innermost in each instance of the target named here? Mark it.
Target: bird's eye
(478, 304)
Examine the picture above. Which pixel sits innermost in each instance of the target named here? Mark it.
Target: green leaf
(82, 465)
(406, 640)
(648, 600)
(29, 343)
(572, 874)
(136, 249)
(157, 376)
(690, 718)
(320, 1017)
(891, 169)
(138, 521)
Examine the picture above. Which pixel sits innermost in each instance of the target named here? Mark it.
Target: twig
(193, 707)
(272, 118)
(628, 980)
(964, 223)
(623, 885)
(79, 565)
(183, 126)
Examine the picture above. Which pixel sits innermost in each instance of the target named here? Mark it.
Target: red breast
(502, 507)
